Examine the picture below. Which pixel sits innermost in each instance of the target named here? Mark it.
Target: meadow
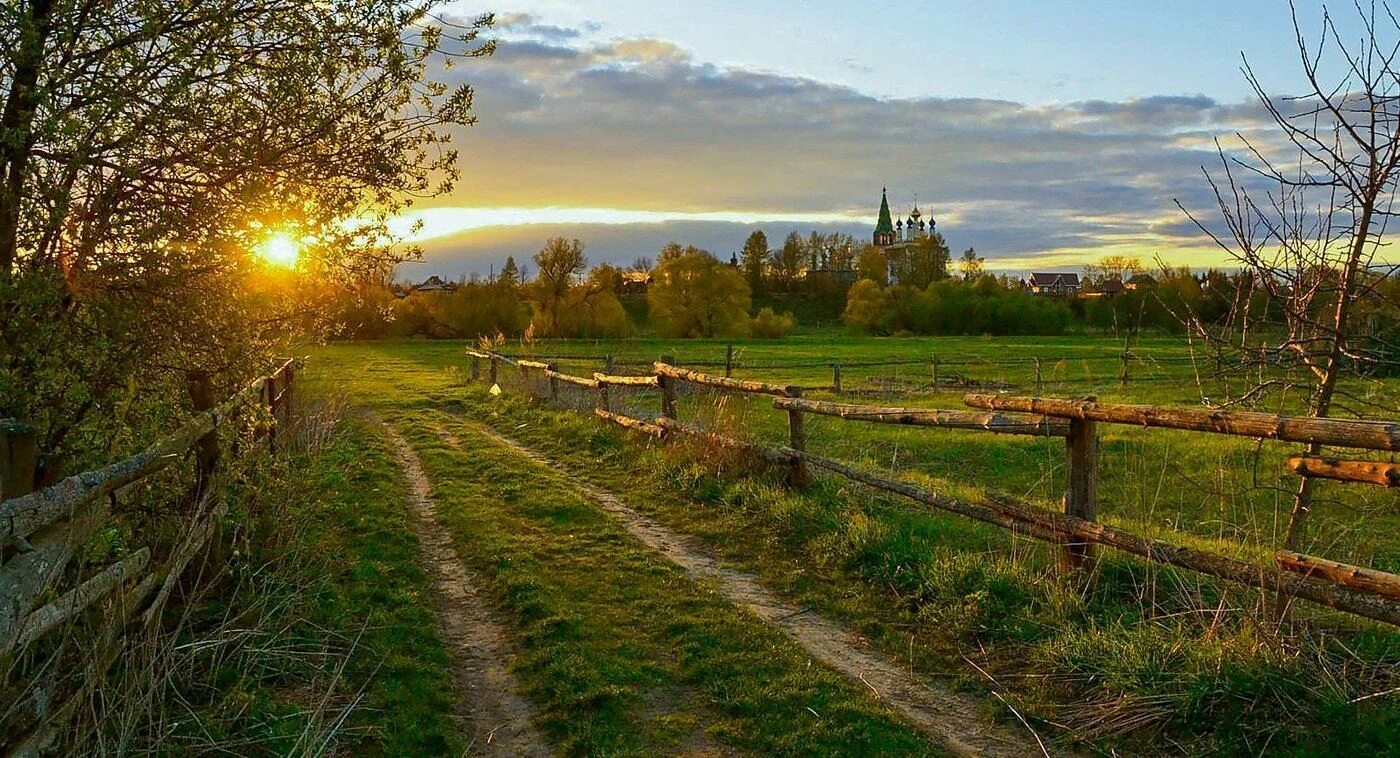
(1132, 656)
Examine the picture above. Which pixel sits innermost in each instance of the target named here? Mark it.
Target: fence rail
(47, 529)
(1364, 592)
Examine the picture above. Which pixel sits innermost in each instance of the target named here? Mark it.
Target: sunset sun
(280, 249)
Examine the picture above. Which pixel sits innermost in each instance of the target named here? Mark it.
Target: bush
(770, 325)
(953, 307)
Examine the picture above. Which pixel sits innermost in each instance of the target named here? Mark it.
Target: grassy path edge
(952, 718)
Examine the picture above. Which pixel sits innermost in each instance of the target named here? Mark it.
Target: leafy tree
(841, 252)
(873, 266)
(754, 259)
(928, 262)
(787, 261)
(148, 148)
(971, 265)
(816, 251)
(1110, 267)
(869, 307)
(697, 296)
(560, 262)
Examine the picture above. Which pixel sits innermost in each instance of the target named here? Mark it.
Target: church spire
(884, 227)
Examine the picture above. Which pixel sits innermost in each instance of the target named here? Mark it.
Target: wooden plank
(737, 385)
(1345, 574)
(1370, 435)
(78, 599)
(571, 379)
(1000, 423)
(532, 364)
(1054, 527)
(1380, 473)
(627, 381)
(628, 422)
(22, 516)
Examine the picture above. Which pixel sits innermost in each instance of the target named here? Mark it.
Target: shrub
(771, 325)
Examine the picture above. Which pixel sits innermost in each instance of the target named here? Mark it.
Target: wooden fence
(42, 531)
(1353, 589)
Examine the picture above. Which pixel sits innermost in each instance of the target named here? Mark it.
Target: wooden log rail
(534, 365)
(1380, 473)
(627, 422)
(710, 380)
(79, 501)
(580, 381)
(1369, 435)
(1000, 423)
(1370, 580)
(1056, 527)
(21, 516)
(650, 380)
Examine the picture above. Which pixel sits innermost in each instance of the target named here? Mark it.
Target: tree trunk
(16, 123)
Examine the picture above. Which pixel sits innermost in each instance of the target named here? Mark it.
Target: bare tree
(1304, 210)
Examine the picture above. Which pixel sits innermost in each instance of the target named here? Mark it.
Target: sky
(1043, 134)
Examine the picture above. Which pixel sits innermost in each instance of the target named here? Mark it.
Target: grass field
(1140, 658)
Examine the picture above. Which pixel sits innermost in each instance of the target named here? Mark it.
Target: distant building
(1055, 285)
(435, 283)
(1110, 288)
(635, 283)
(896, 238)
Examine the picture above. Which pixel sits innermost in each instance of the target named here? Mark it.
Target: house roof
(1054, 280)
(1112, 285)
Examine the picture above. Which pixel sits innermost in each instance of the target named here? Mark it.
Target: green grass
(625, 652)
(1140, 658)
(341, 613)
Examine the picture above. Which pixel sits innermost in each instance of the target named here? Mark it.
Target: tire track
(487, 695)
(951, 718)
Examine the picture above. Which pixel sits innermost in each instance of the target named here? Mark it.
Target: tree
(869, 307)
(873, 266)
(928, 262)
(1110, 267)
(754, 258)
(816, 251)
(787, 261)
(841, 255)
(560, 262)
(147, 148)
(697, 296)
(1306, 223)
(971, 265)
(510, 273)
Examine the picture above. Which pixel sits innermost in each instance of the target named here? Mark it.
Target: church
(896, 238)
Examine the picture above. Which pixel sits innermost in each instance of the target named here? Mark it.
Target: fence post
(206, 448)
(1037, 376)
(491, 377)
(1082, 494)
(1123, 374)
(553, 385)
(729, 360)
(604, 401)
(608, 364)
(270, 397)
(476, 368)
(934, 370)
(288, 383)
(836, 378)
(19, 458)
(797, 440)
(668, 390)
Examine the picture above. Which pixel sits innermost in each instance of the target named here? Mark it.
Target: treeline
(689, 293)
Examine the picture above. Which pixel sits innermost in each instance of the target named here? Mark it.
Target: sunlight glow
(280, 249)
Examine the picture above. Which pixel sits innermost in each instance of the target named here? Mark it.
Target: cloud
(639, 126)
